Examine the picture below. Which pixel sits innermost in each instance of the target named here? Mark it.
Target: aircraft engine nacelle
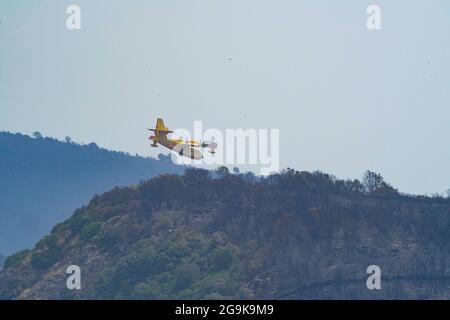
(212, 146)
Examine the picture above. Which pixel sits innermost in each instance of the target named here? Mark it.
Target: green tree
(222, 172)
(222, 258)
(195, 176)
(90, 230)
(37, 135)
(186, 275)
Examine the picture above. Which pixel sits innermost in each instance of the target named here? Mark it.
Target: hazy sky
(345, 99)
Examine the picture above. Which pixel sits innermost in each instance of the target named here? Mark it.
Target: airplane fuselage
(182, 149)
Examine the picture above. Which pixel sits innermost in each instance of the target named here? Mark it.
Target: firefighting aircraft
(187, 148)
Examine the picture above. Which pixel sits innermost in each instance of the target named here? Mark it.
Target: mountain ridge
(293, 235)
(44, 180)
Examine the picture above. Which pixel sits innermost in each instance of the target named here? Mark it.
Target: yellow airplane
(187, 148)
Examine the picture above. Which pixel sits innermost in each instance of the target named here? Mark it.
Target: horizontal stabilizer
(160, 127)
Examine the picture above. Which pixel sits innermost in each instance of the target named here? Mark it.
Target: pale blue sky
(345, 99)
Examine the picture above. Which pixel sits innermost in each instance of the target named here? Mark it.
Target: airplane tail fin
(160, 127)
